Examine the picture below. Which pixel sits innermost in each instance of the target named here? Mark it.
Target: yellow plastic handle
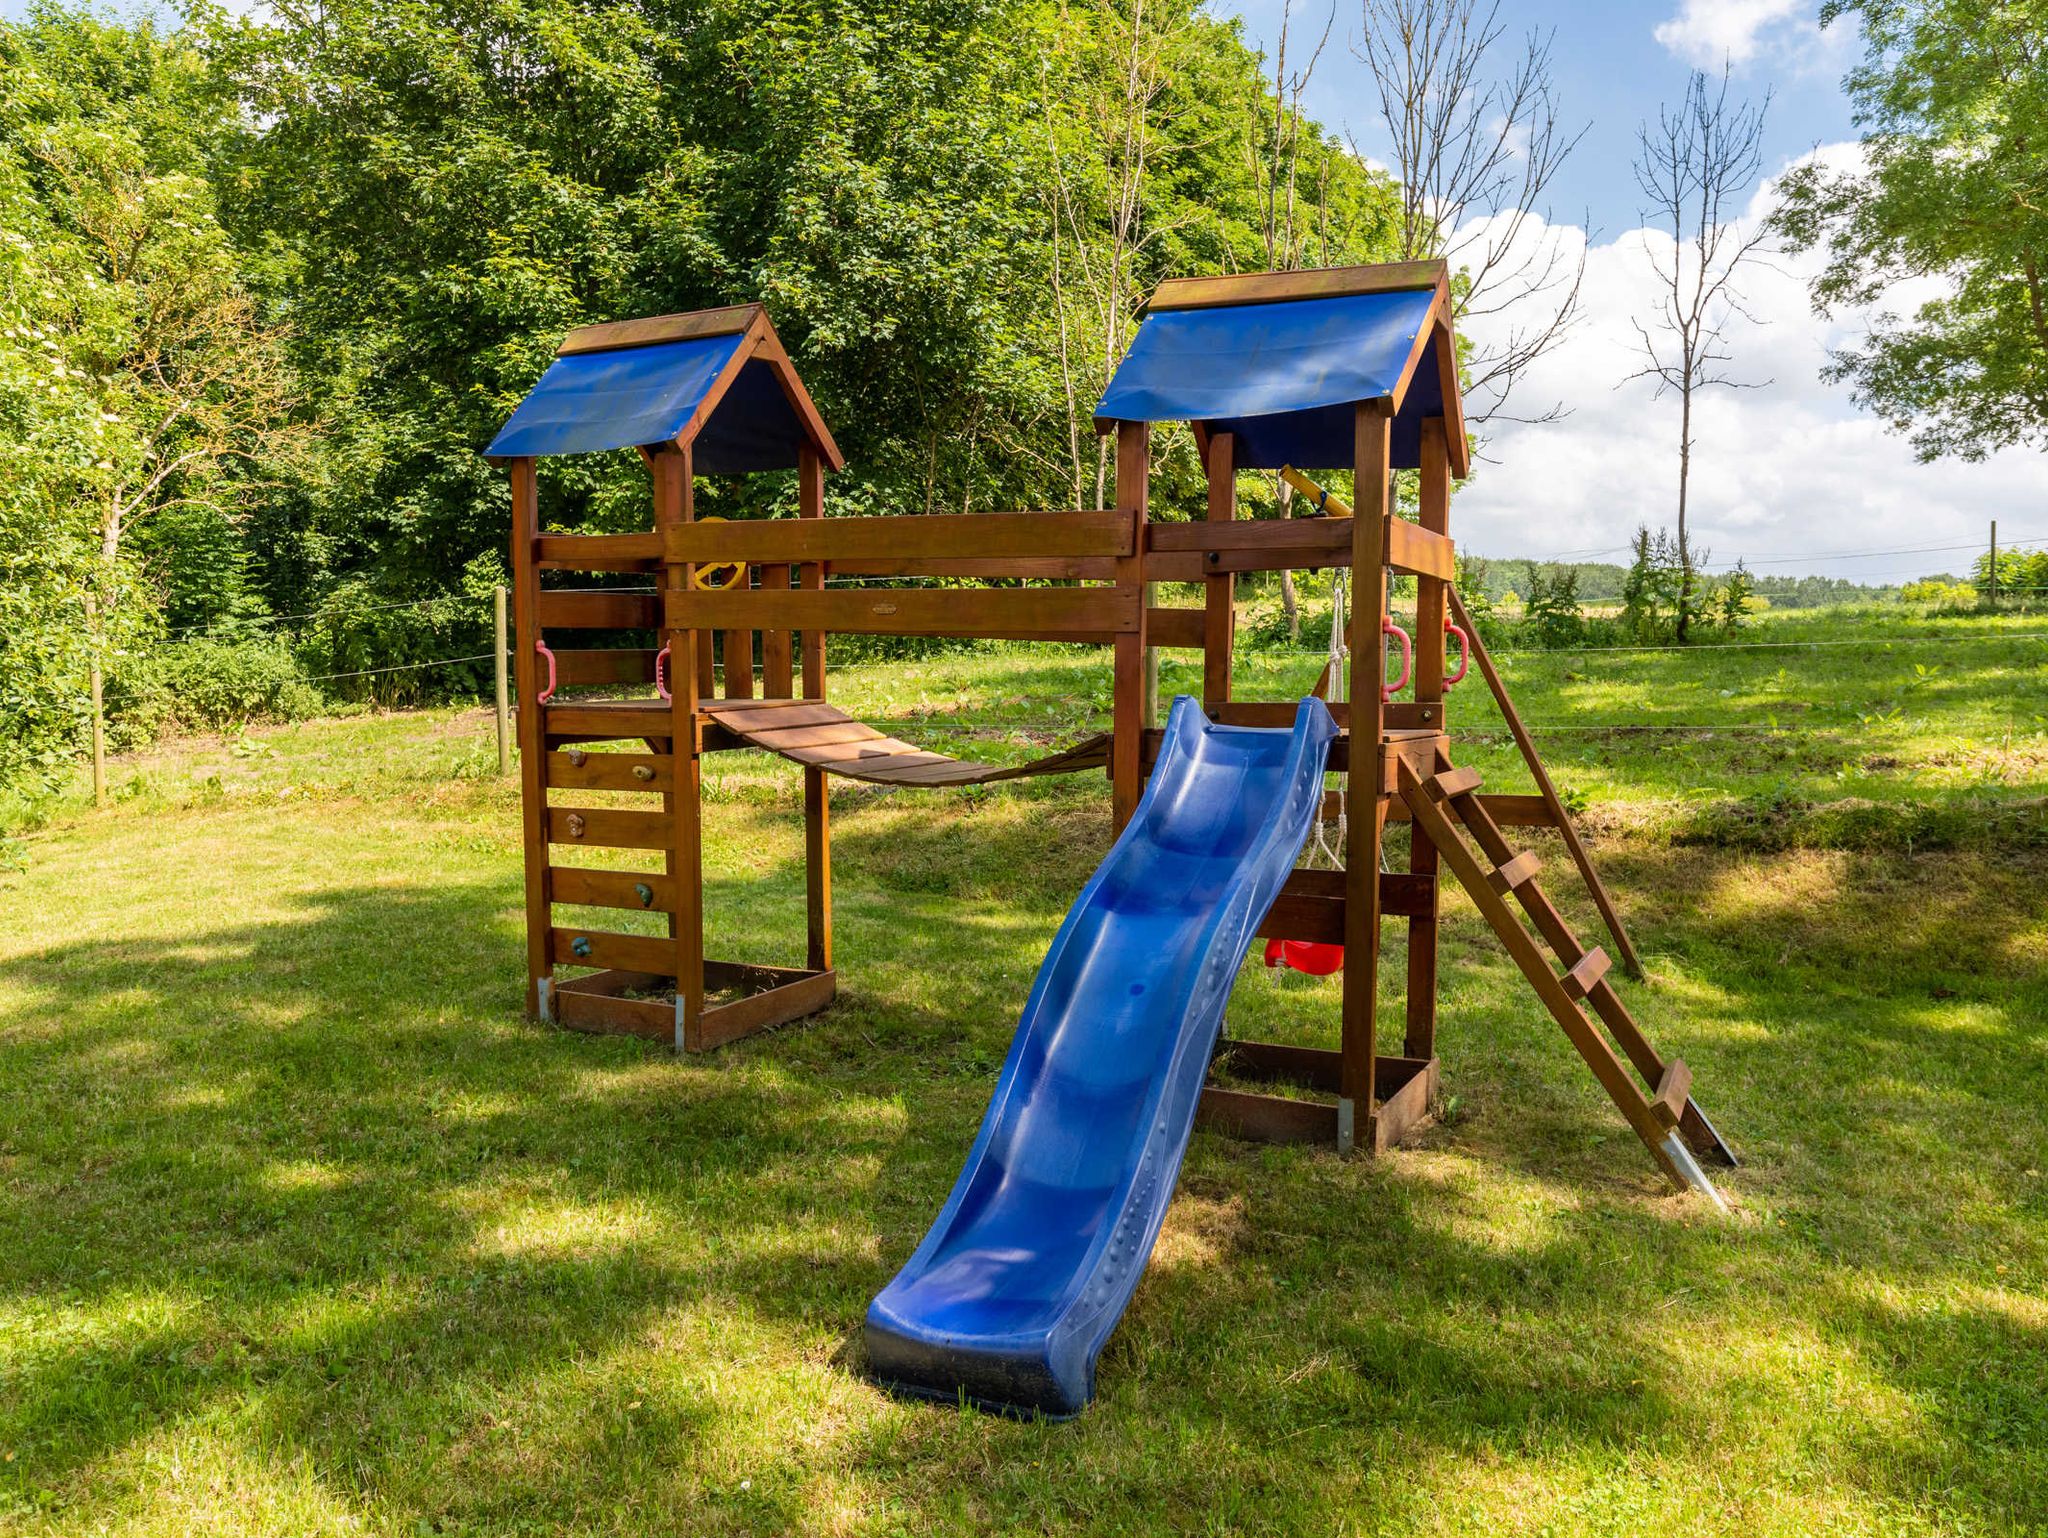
(707, 574)
(1335, 507)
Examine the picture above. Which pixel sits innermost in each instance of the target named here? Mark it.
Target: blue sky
(1612, 73)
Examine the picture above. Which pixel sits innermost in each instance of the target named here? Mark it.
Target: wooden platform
(822, 736)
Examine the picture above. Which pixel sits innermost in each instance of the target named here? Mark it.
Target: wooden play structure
(1347, 369)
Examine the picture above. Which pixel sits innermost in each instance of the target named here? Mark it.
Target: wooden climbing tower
(1347, 369)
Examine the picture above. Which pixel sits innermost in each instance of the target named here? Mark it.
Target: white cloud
(1789, 473)
(1706, 32)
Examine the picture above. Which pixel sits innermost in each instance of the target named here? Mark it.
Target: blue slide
(1030, 1263)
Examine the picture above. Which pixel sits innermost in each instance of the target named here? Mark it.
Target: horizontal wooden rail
(632, 953)
(614, 889)
(1413, 549)
(956, 536)
(1183, 628)
(625, 665)
(609, 829)
(1005, 614)
(600, 611)
(597, 552)
(1043, 568)
(611, 771)
(1188, 552)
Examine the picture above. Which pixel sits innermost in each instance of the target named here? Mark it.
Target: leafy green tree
(1952, 96)
(141, 386)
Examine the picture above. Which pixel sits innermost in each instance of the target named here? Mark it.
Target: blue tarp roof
(644, 395)
(1282, 376)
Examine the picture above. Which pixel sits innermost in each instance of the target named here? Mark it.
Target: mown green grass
(303, 1229)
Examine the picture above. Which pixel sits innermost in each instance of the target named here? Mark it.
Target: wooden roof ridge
(1229, 289)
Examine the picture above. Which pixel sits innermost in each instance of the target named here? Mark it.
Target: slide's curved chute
(1030, 1263)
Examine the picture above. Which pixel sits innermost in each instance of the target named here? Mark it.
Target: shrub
(209, 682)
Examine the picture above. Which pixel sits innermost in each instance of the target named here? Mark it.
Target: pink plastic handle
(1464, 653)
(548, 693)
(661, 673)
(1388, 691)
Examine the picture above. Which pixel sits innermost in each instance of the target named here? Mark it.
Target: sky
(1788, 475)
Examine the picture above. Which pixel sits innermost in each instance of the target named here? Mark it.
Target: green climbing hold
(580, 946)
(645, 893)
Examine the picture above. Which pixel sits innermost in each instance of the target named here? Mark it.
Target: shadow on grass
(312, 1172)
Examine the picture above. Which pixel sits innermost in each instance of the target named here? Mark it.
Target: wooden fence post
(498, 668)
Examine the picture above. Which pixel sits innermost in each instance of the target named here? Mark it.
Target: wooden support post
(1127, 733)
(817, 808)
(503, 694)
(1434, 505)
(675, 503)
(1219, 620)
(533, 795)
(1372, 438)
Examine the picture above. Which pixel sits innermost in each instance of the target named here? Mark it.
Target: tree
(1696, 166)
(1952, 186)
(153, 390)
(1476, 149)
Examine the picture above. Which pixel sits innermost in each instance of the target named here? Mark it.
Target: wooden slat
(1071, 568)
(1414, 549)
(1585, 972)
(637, 953)
(1055, 614)
(606, 720)
(1674, 1091)
(605, 1014)
(1266, 1118)
(1452, 782)
(612, 771)
(1404, 1109)
(1523, 867)
(608, 336)
(598, 552)
(614, 889)
(949, 536)
(625, 665)
(1310, 283)
(1176, 628)
(1219, 606)
(600, 611)
(607, 829)
(728, 1022)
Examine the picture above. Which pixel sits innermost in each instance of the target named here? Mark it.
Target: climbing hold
(643, 772)
(580, 946)
(645, 893)
(577, 758)
(575, 825)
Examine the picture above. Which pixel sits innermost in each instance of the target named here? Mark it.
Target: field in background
(305, 1230)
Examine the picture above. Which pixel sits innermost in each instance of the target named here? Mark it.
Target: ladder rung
(1453, 782)
(1516, 872)
(1673, 1090)
(1585, 972)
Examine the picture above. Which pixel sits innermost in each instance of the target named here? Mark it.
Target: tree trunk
(1290, 602)
(1684, 541)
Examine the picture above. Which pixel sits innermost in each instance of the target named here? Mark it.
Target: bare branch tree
(1476, 150)
(1696, 167)
(1284, 247)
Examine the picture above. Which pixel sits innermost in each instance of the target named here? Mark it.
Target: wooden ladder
(1664, 1116)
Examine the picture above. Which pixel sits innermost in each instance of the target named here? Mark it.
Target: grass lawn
(304, 1230)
